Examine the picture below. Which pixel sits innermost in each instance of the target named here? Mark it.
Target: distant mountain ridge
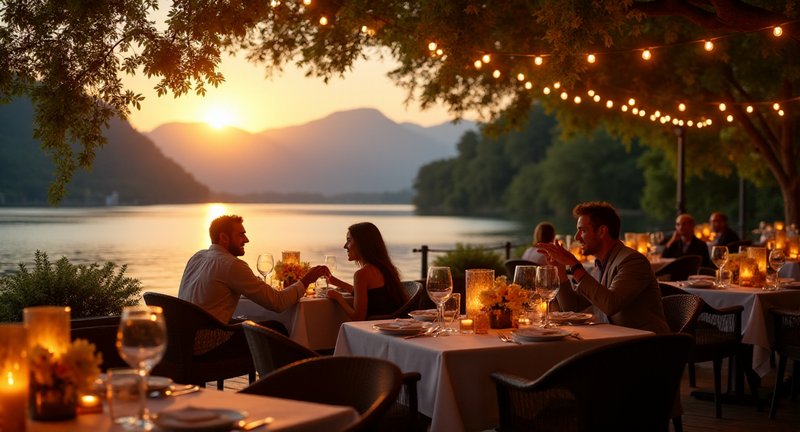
(356, 151)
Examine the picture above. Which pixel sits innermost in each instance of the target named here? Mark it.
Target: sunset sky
(250, 101)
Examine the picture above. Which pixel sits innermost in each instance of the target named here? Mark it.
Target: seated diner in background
(215, 278)
(544, 232)
(376, 287)
(623, 289)
(684, 242)
(723, 235)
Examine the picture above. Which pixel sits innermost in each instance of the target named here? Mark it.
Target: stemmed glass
(547, 284)
(439, 286)
(141, 342)
(777, 258)
(330, 262)
(525, 277)
(265, 264)
(719, 256)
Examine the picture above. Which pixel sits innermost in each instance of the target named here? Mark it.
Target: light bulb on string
(439, 51)
(556, 85)
(680, 123)
(590, 92)
(708, 45)
(668, 117)
(776, 106)
(478, 64)
(546, 90)
(646, 55)
(642, 113)
(538, 60)
(564, 96)
(521, 76)
(496, 73)
(609, 104)
(306, 2)
(777, 31)
(624, 108)
(708, 122)
(486, 58)
(722, 106)
(577, 99)
(635, 111)
(528, 85)
(749, 109)
(657, 113)
(323, 21)
(690, 123)
(631, 101)
(729, 118)
(681, 107)
(780, 113)
(431, 46)
(596, 98)
(591, 58)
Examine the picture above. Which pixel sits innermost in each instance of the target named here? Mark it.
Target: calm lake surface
(156, 241)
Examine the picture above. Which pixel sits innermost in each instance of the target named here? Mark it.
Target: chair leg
(220, 384)
(717, 362)
(731, 373)
(692, 382)
(778, 379)
(677, 424)
(795, 379)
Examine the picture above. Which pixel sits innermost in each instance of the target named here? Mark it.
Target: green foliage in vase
(470, 257)
(89, 290)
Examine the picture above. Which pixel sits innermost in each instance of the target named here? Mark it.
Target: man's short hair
(600, 213)
(222, 224)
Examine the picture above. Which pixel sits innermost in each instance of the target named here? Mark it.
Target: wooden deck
(699, 414)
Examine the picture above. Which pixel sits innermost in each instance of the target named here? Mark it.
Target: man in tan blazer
(623, 289)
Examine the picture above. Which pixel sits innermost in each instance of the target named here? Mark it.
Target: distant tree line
(538, 172)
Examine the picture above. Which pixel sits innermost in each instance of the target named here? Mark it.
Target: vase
(500, 318)
(52, 403)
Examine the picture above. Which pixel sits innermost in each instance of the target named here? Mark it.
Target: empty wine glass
(330, 262)
(719, 256)
(265, 264)
(439, 286)
(525, 277)
(547, 285)
(777, 258)
(141, 342)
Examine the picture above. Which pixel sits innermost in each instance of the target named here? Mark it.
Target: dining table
(757, 327)
(790, 270)
(456, 390)
(313, 322)
(287, 415)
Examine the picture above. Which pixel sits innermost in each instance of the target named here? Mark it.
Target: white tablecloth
(289, 415)
(756, 320)
(456, 390)
(312, 322)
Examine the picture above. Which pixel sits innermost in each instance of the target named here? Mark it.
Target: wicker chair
(369, 385)
(511, 265)
(681, 311)
(787, 345)
(272, 350)
(414, 291)
(199, 347)
(636, 389)
(102, 332)
(680, 269)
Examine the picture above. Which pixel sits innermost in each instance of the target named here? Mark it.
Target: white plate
(700, 283)
(538, 335)
(158, 383)
(399, 327)
(198, 419)
(702, 277)
(570, 317)
(423, 314)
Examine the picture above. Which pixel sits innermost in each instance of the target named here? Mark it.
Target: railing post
(424, 251)
(508, 250)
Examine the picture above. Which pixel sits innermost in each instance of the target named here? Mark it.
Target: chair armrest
(511, 380)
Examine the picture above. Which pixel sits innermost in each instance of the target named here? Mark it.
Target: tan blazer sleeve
(626, 278)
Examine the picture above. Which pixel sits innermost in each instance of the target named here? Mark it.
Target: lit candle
(779, 226)
(747, 269)
(466, 325)
(523, 322)
(13, 377)
(794, 248)
(89, 403)
(48, 327)
(477, 281)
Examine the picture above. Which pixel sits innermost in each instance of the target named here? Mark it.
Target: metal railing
(425, 250)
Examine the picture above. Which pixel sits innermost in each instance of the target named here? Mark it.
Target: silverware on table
(254, 424)
(508, 338)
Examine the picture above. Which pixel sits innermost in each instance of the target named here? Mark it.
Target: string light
(729, 118)
(577, 99)
(439, 51)
(591, 58)
(478, 64)
(776, 106)
(708, 45)
(528, 85)
(564, 96)
(777, 31)
(749, 109)
(780, 113)
(546, 90)
(323, 20)
(306, 2)
(624, 108)
(496, 74)
(538, 60)
(635, 111)
(609, 104)
(432, 46)
(646, 54)
(681, 107)
(486, 58)
(631, 101)
(274, 3)
(596, 98)
(723, 107)
(556, 85)
(590, 92)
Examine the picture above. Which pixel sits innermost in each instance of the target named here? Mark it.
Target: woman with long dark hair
(376, 287)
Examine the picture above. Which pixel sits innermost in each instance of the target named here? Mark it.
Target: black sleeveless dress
(379, 302)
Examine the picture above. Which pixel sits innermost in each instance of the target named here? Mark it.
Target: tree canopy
(493, 57)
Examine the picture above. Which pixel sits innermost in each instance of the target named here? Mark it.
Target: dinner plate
(570, 317)
(158, 383)
(198, 419)
(538, 335)
(399, 327)
(791, 285)
(699, 283)
(428, 314)
(702, 277)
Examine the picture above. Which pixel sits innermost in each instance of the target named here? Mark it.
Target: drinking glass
(439, 286)
(719, 256)
(141, 342)
(777, 258)
(525, 277)
(547, 284)
(330, 262)
(265, 264)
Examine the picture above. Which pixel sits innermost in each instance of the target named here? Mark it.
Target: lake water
(156, 241)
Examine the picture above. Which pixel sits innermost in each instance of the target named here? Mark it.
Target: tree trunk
(791, 201)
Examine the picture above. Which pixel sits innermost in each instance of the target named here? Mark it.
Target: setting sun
(219, 117)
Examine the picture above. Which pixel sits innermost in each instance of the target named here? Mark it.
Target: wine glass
(547, 284)
(525, 277)
(330, 262)
(265, 264)
(439, 286)
(777, 258)
(141, 342)
(719, 256)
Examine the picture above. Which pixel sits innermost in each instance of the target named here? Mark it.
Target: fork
(506, 338)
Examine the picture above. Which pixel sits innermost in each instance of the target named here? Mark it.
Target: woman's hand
(333, 294)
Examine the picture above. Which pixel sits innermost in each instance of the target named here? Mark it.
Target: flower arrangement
(290, 272)
(71, 373)
(505, 296)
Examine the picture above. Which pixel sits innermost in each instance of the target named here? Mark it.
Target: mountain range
(357, 151)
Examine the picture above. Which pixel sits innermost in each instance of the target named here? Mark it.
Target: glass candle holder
(477, 281)
(48, 327)
(747, 271)
(290, 257)
(759, 255)
(14, 377)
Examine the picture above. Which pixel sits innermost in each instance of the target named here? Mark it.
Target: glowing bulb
(690, 123)
(676, 122)
(609, 104)
(667, 117)
(780, 113)
(486, 58)
(653, 118)
(657, 113)
(709, 46)
(708, 122)
(700, 125)
(431, 46)
(538, 61)
(564, 96)
(546, 90)
(729, 118)
(556, 85)
(528, 85)
(478, 64)
(723, 107)
(306, 2)
(323, 21)
(646, 55)
(496, 73)
(681, 107)
(777, 31)
(274, 3)
(749, 109)
(680, 122)
(624, 108)
(635, 111)
(631, 101)
(577, 99)
(364, 29)
(590, 92)
(591, 58)
(521, 77)
(439, 51)
(596, 98)
(776, 106)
